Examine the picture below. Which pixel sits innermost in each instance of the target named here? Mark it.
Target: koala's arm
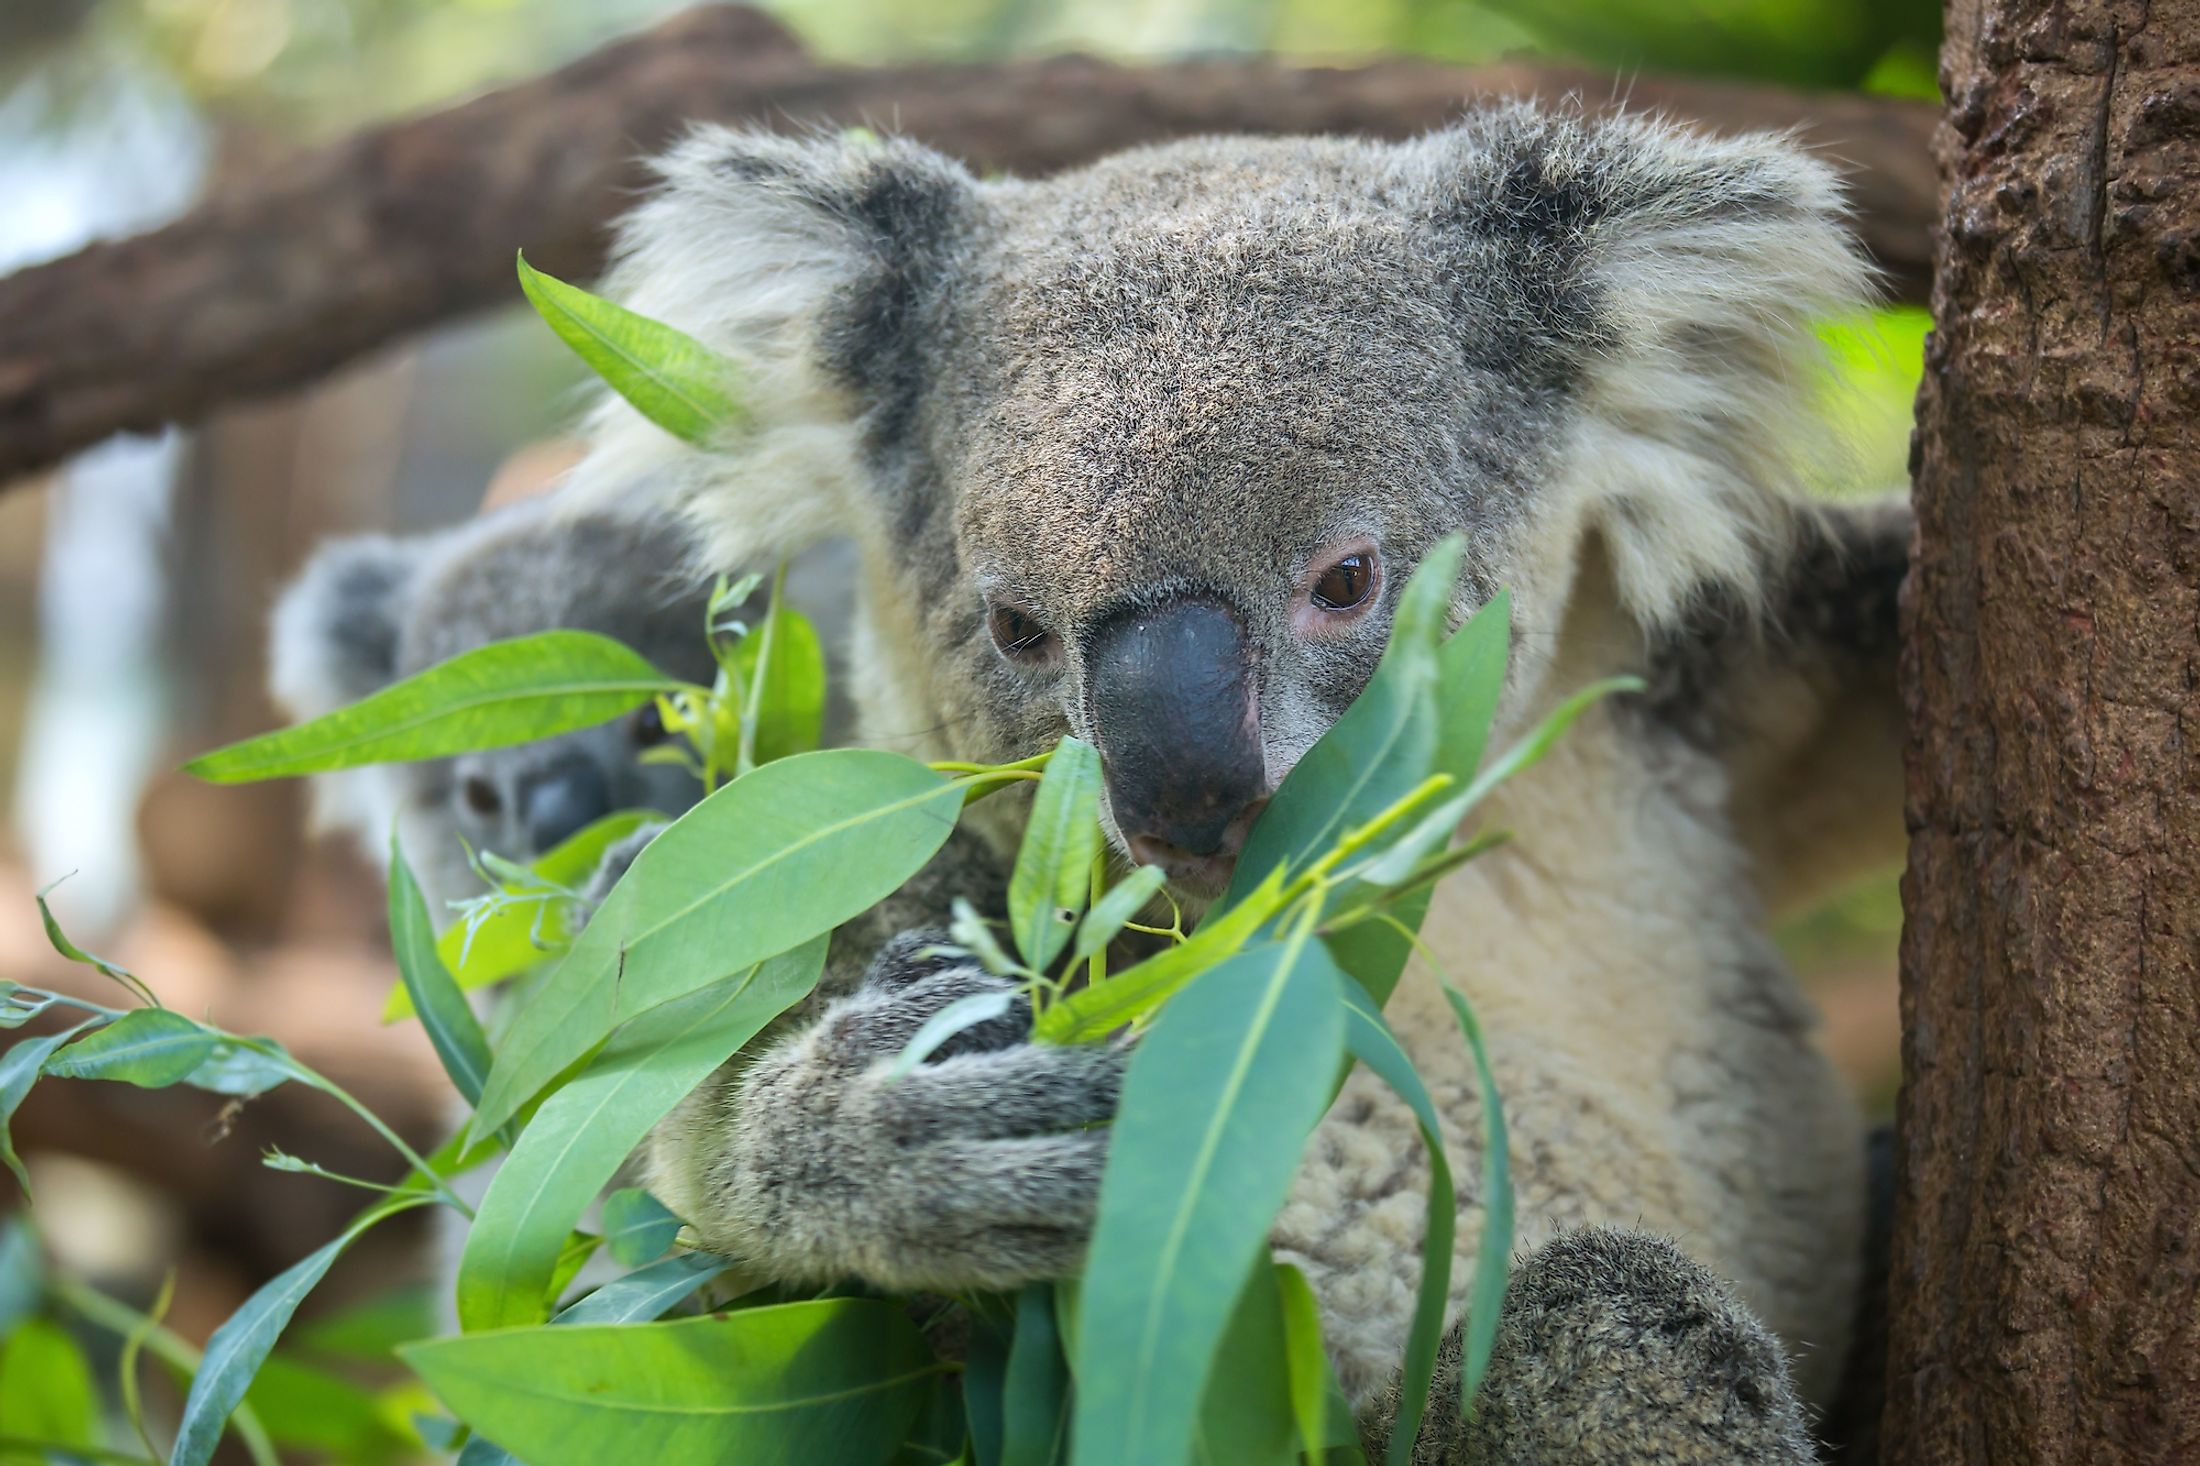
(1615, 1348)
(978, 1169)
(1805, 709)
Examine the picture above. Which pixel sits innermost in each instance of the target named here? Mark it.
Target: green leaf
(647, 1293)
(790, 715)
(965, 1012)
(151, 1048)
(985, 1377)
(494, 696)
(970, 931)
(1091, 1014)
(19, 1070)
(371, 1329)
(1216, 1107)
(637, 1227)
(1379, 750)
(1035, 1386)
(312, 1409)
(1307, 1364)
(1245, 1414)
(19, 1005)
(59, 941)
(829, 1381)
(242, 1069)
(672, 379)
(1053, 874)
(585, 1131)
(1370, 1040)
(238, 1348)
(452, 1028)
(1113, 911)
(782, 854)
(46, 1390)
(501, 942)
(22, 1272)
(1493, 1251)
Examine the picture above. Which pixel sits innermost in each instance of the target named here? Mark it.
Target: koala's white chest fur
(1655, 1064)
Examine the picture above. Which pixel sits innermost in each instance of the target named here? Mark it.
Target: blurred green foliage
(326, 64)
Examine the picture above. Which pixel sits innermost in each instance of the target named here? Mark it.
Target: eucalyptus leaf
(646, 1293)
(1052, 878)
(453, 1030)
(238, 1348)
(828, 1381)
(19, 1005)
(1114, 910)
(637, 1227)
(59, 941)
(671, 378)
(1370, 1040)
(494, 696)
(19, 1070)
(1382, 747)
(1035, 1386)
(585, 1131)
(1305, 1361)
(22, 1272)
(1216, 1107)
(964, 1013)
(1493, 1250)
(782, 854)
(1091, 1014)
(790, 715)
(312, 1409)
(46, 1390)
(500, 942)
(973, 934)
(1245, 1414)
(243, 1070)
(151, 1048)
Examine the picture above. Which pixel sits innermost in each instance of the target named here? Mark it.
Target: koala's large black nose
(561, 799)
(1176, 710)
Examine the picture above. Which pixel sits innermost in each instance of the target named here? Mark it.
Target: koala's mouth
(1202, 875)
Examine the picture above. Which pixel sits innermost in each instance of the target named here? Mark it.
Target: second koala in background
(371, 610)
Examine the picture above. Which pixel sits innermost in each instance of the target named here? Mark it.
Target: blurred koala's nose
(1176, 711)
(562, 798)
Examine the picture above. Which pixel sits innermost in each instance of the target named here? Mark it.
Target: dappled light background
(135, 582)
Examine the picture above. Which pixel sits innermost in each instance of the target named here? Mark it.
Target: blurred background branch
(281, 277)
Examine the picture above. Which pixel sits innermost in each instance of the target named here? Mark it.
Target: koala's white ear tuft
(807, 262)
(334, 633)
(1685, 277)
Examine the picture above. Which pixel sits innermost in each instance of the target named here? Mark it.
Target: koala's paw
(614, 865)
(979, 1168)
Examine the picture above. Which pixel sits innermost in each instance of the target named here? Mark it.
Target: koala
(372, 609)
(1143, 452)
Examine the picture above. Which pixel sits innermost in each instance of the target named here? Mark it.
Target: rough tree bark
(2047, 1263)
(333, 253)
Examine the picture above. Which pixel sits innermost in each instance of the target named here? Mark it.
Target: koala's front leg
(1615, 1349)
(977, 1169)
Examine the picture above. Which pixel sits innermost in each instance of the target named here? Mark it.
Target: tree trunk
(2046, 1289)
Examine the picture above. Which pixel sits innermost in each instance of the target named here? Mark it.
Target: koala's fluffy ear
(334, 637)
(1675, 281)
(808, 262)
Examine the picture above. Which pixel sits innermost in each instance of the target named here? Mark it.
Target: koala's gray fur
(370, 610)
(1198, 369)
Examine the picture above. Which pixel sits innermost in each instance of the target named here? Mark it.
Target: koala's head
(371, 610)
(1146, 451)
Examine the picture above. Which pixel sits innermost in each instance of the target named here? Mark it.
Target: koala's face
(1146, 452)
(372, 610)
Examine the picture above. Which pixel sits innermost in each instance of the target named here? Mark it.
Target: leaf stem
(116, 1317)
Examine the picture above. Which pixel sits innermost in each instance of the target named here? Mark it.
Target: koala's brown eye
(1345, 584)
(649, 726)
(481, 796)
(1019, 636)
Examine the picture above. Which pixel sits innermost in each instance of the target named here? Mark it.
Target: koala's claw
(976, 1169)
(616, 860)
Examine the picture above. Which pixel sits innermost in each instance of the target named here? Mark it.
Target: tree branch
(279, 280)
